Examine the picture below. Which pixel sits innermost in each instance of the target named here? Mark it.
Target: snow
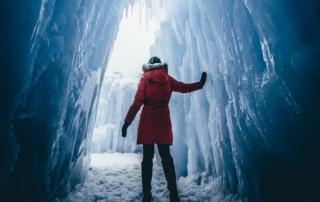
(117, 177)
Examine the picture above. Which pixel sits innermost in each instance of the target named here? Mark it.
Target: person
(154, 92)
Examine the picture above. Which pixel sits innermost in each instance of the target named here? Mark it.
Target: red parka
(154, 92)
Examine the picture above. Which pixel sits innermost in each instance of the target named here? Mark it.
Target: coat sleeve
(181, 87)
(138, 101)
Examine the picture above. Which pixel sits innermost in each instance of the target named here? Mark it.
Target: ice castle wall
(255, 123)
(115, 99)
(53, 56)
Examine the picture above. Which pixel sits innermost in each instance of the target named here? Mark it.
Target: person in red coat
(154, 92)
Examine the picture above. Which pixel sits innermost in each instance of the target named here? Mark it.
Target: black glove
(124, 129)
(203, 78)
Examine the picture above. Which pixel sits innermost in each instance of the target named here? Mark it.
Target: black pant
(148, 152)
(168, 168)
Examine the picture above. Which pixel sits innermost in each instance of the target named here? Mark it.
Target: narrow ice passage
(254, 128)
(117, 177)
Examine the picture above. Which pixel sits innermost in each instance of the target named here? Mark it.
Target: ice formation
(55, 54)
(255, 124)
(117, 93)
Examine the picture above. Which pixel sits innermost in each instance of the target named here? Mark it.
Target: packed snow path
(117, 177)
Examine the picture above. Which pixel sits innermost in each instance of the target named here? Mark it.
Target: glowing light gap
(131, 48)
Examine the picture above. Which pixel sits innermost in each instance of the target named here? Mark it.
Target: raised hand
(203, 78)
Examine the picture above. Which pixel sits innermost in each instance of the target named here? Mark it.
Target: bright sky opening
(131, 48)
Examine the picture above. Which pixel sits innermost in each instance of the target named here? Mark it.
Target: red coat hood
(159, 75)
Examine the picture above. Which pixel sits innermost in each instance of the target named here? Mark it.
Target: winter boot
(169, 172)
(146, 169)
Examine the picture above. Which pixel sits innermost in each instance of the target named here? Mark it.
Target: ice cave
(250, 134)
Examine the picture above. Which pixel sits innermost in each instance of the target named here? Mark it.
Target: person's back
(154, 93)
(158, 85)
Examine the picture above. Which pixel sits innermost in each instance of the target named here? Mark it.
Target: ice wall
(115, 99)
(54, 54)
(256, 122)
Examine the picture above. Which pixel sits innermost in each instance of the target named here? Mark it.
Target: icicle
(147, 19)
(140, 16)
(126, 13)
(132, 10)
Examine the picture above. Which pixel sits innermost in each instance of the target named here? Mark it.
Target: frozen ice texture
(255, 124)
(54, 55)
(115, 99)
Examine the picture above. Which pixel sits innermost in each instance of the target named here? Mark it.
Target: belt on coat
(156, 103)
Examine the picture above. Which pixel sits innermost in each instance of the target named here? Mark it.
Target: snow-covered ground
(117, 177)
